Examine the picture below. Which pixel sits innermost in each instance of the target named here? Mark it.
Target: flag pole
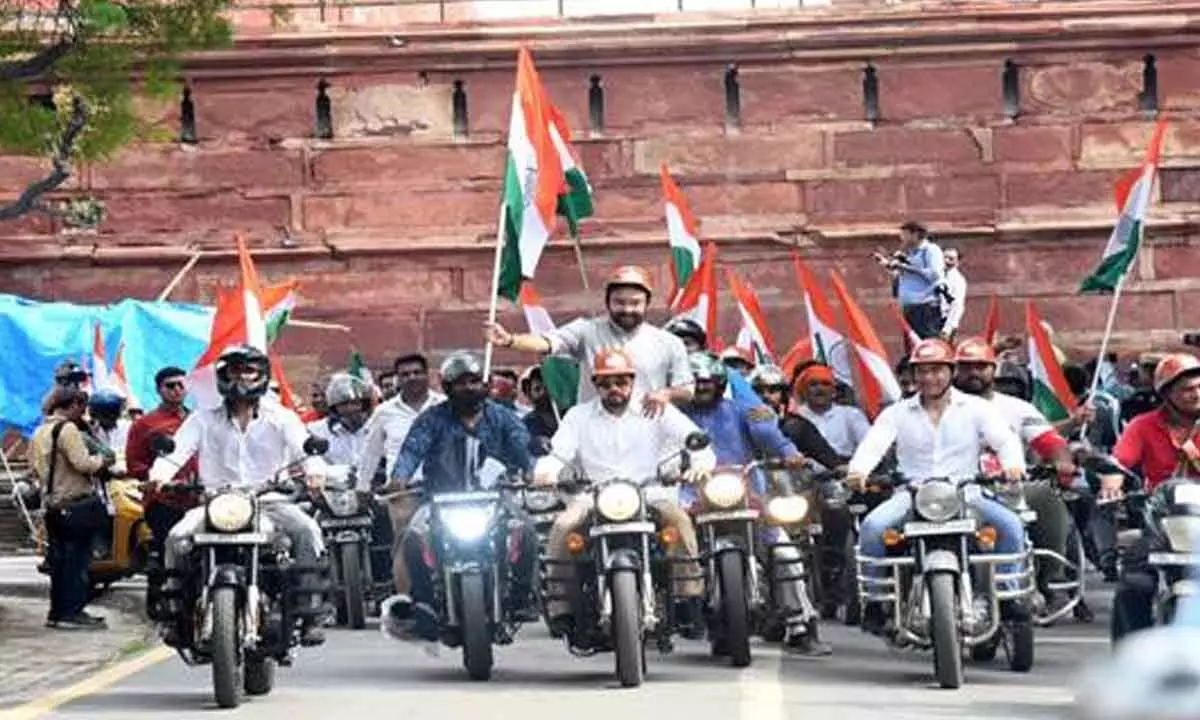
(170, 288)
(1108, 328)
(579, 261)
(494, 301)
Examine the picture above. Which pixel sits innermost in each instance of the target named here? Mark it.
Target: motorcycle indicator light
(576, 543)
(668, 536)
(986, 537)
(892, 537)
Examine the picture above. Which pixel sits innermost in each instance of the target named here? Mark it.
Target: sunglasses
(611, 382)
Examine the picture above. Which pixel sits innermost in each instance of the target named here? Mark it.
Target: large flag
(991, 324)
(698, 300)
(754, 334)
(1051, 394)
(907, 334)
(683, 234)
(559, 374)
(541, 179)
(829, 346)
(1133, 195)
(877, 385)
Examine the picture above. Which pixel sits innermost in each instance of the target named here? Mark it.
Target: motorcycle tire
(735, 609)
(227, 669)
(260, 676)
(852, 609)
(1020, 647)
(352, 578)
(985, 652)
(947, 648)
(473, 619)
(627, 628)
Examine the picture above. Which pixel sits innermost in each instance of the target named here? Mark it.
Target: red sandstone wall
(393, 219)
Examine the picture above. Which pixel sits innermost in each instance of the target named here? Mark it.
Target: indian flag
(1051, 394)
(698, 299)
(877, 384)
(278, 303)
(829, 345)
(559, 374)
(541, 179)
(683, 234)
(754, 335)
(1133, 195)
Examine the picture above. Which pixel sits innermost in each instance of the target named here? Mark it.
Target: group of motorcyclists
(644, 393)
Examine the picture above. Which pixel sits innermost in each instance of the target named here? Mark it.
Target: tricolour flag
(278, 302)
(991, 324)
(829, 346)
(877, 384)
(683, 234)
(100, 379)
(1051, 394)
(1133, 195)
(120, 380)
(541, 179)
(754, 334)
(560, 374)
(698, 299)
(909, 336)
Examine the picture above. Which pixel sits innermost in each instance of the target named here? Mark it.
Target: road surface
(362, 675)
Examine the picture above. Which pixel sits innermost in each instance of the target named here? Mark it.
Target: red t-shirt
(1147, 445)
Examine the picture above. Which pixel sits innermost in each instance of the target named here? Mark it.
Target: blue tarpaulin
(36, 336)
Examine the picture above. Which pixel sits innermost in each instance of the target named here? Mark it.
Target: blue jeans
(1010, 532)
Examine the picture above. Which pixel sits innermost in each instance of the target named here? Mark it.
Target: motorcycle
(622, 592)
(744, 594)
(345, 516)
(942, 591)
(235, 597)
(839, 582)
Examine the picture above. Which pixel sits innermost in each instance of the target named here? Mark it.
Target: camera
(1192, 338)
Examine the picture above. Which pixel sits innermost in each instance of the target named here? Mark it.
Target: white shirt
(968, 426)
(345, 447)
(385, 432)
(842, 426)
(115, 438)
(956, 283)
(628, 446)
(1036, 433)
(228, 455)
(660, 358)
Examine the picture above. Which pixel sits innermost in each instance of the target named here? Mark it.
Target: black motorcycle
(345, 515)
(838, 589)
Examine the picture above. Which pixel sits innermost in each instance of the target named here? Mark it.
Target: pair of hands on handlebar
(858, 481)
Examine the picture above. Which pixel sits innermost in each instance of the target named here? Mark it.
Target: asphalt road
(362, 675)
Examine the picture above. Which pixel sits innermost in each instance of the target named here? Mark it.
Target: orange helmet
(630, 276)
(612, 361)
(932, 351)
(1174, 367)
(975, 350)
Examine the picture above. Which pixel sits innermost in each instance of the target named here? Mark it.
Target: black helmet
(70, 373)
(233, 388)
(682, 327)
(460, 363)
(1013, 379)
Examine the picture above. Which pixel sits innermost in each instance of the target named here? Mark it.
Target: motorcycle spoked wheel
(629, 652)
(947, 648)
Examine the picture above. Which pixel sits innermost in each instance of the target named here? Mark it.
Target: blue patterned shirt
(436, 443)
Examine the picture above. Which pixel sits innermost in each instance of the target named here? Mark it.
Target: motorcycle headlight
(467, 524)
(938, 501)
(540, 501)
(230, 512)
(619, 502)
(342, 504)
(724, 490)
(1183, 532)
(788, 509)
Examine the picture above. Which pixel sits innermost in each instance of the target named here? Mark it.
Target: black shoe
(874, 619)
(312, 635)
(93, 619)
(561, 625)
(803, 640)
(689, 618)
(78, 622)
(1083, 613)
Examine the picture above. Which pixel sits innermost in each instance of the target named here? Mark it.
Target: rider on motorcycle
(348, 399)
(938, 433)
(606, 437)
(771, 385)
(1161, 444)
(437, 444)
(245, 442)
(739, 432)
(976, 375)
(105, 408)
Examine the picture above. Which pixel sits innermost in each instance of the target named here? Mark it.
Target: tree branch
(36, 66)
(64, 147)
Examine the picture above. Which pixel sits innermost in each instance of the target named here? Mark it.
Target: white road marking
(759, 688)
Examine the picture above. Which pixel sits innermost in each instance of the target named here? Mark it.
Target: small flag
(878, 385)
(1051, 394)
(754, 335)
(683, 233)
(698, 300)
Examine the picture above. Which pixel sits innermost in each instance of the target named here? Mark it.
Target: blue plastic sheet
(37, 336)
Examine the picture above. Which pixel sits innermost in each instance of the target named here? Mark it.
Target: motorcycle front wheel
(352, 577)
(476, 637)
(627, 627)
(947, 650)
(735, 609)
(226, 649)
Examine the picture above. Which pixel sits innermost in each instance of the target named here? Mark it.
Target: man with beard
(347, 398)
(976, 375)
(842, 426)
(1160, 445)
(606, 438)
(659, 357)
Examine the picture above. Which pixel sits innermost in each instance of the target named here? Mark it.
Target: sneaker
(800, 641)
(94, 619)
(76, 622)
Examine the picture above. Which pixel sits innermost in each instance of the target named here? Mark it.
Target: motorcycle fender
(623, 559)
(346, 536)
(228, 576)
(727, 544)
(941, 561)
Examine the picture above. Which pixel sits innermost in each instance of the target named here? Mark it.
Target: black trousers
(925, 320)
(70, 553)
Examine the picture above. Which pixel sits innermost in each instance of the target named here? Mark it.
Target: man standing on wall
(920, 279)
(956, 304)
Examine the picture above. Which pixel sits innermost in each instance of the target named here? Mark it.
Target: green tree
(70, 71)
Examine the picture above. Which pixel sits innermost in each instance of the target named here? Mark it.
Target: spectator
(920, 279)
(956, 285)
(503, 388)
(389, 384)
(1144, 398)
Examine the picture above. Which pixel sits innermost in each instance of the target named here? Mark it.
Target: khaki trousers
(400, 511)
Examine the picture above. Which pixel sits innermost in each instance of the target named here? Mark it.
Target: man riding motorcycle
(976, 375)
(771, 385)
(740, 432)
(348, 399)
(938, 433)
(606, 438)
(245, 442)
(1160, 444)
(437, 444)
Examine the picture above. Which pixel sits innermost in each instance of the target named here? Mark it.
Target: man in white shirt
(842, 426)
(348, 399)
(607, 439)
(938, 433)
(956, 287)
(245, 442)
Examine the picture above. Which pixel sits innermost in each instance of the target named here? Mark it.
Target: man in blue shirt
(455, 443)
(741, 430)
(920, 274)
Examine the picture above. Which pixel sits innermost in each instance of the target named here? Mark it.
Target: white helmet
(343, 388)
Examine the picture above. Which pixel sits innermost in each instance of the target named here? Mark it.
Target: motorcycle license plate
(953, 527)
(249, 538)
(345, 522)
(1173, 558)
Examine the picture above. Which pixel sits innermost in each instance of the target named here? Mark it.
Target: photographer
(920, 273)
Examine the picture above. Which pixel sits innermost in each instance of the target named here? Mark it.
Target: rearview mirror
(697, 441)
(316, 446)
(162, 445)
